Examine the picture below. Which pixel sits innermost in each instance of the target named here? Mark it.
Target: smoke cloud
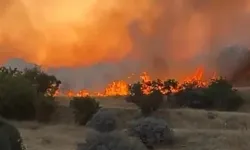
(69, 33)
(163, 37)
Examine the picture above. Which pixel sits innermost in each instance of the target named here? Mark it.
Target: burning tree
(44, 83)
(194, 92)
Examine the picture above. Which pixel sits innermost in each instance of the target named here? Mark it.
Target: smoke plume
(164, 37)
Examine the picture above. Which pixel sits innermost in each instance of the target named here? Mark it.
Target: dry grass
(53, 137)
(194, 129)
(63, 137)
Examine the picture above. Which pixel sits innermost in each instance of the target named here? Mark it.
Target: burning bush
(147, 102)
(170, 86)
(151, 131)
(44, 83)
(110, 141)
(84, 108)
(103, 121)
(218, 94)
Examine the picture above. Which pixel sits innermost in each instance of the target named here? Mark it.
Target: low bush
(84, 108)
(217, 95)
(222, 96)
(191, 98)
(10, 138)
(103, 121)
(135, 93)
(151, 131)
(147, 103)
(45, 108)
(110, 141)
(151, 102)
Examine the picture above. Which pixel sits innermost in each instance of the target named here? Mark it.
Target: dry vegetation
(194, 129)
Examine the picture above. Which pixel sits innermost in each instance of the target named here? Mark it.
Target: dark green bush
(151, 102)
(10, 138)
(218, 95)
(84, 108)
(20, 97)
(192, 98)
(44, 83)
(45, 108)
(135, 93)
(17, 97)
(222, 96)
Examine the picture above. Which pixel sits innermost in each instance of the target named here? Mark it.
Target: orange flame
(121, 87)
(117, 88)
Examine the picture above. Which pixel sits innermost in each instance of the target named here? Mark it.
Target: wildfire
(121, 87)
(197, 77)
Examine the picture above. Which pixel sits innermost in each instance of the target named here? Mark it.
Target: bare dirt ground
(194, 129)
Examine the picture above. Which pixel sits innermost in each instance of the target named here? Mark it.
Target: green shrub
(135, 93)
(192, 98)
(10, 138)
(45, 108)
(222, 96)
(110, 141)
(151, 102)
(17, 97)
(44, 83)
(84, 108)
(22, 94)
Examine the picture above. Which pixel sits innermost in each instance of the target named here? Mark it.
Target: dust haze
(91, 42)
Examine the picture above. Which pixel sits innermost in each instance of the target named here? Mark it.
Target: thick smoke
(69, 33)
(111, 38)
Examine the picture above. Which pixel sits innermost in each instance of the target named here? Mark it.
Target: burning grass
(121, 87)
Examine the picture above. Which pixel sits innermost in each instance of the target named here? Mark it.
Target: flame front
(117, 88)
(121, 87)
